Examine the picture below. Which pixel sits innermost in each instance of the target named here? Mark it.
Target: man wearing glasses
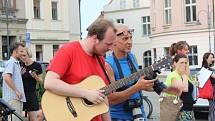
(126, 102)
(120, 64)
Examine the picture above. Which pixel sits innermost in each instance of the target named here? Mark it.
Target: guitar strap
(100, 63)
(131, 66)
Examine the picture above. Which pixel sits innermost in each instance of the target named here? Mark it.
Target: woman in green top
(176, 79)
(179, 79)
(186, 112)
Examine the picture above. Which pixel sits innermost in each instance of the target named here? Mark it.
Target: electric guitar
(60, 108)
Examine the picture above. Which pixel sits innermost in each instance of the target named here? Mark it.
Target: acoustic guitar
(60, 108)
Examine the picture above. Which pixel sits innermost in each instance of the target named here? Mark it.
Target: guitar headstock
(165, 62)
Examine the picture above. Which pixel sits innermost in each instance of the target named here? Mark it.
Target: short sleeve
(9, 68)
(169, 78)
(61, 62)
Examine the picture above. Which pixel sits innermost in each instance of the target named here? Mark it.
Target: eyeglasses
(125, 33)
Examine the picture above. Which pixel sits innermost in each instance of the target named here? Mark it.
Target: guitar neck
(122, 82)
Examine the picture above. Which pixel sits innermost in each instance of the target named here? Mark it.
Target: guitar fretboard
(122, 82)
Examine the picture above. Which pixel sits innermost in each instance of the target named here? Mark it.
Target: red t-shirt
(73, 65)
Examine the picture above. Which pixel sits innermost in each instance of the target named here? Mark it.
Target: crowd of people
(77, 60)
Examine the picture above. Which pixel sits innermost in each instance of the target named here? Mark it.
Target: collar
(14, 59)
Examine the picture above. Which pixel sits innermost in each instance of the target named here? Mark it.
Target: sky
(90, 10)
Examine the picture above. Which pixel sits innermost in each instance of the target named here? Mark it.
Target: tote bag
(168, 109)
(206, 92)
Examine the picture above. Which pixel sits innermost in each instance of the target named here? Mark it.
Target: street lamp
(7, 23)
(208, 12)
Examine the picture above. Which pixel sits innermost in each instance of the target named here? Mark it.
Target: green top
(169, 79)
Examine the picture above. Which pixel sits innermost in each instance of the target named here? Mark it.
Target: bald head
(121, 27)
(123, 41)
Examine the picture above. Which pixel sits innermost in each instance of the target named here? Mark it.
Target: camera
(137, 114)
(159, 87)
(134, 105)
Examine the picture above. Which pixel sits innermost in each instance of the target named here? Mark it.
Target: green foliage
(40, 88)
(192, 79)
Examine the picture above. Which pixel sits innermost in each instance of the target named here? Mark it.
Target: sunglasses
(125, 33)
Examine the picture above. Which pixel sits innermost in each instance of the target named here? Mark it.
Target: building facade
(159, 23)
(136, 15)
(50, 24)
(183, 20)
(12, 23)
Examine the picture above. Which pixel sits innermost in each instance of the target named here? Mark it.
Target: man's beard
(18, 58)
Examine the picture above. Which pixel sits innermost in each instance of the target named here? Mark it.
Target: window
(37, 9)
(1, 4)
(122, 4)
(120, 21)
(190, 9)
(155, 53)
(166, 51)
(14, 4)
(4, 46)
(11, 6)
(147, 58)
(39, 53)
(136, 3)
(167, 12)
(193, 55)
(55, 48)
(146, 25)
(54, 11)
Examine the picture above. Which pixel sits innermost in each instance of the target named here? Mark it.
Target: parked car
(201, 104)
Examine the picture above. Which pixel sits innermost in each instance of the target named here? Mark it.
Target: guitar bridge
(71, 107)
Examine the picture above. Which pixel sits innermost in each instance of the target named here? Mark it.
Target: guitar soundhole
(87, 102)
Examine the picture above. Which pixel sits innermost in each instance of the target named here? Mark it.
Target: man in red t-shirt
(76, 61)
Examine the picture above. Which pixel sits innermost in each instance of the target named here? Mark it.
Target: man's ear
(95, 39)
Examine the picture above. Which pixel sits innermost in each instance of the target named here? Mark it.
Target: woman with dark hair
(186, 112)
(177, 79)
(181, 47)
(207, 62)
